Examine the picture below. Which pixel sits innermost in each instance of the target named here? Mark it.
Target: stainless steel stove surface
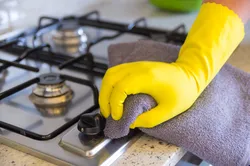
(49, 81)
(20, 110)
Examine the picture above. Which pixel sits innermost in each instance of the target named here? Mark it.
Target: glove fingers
(130, 84)
(152, 118)
(112, 76)
(108, 82)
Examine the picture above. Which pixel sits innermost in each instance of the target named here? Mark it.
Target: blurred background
(10, 12)
(24, 13)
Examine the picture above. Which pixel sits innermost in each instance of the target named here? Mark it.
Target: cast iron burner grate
(43, 80)
(85, 63)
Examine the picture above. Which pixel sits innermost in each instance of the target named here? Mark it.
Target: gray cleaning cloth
(216, 128)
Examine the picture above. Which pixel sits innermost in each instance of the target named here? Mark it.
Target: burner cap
(50, 79)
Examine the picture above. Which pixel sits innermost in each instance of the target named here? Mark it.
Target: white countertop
(146, 150)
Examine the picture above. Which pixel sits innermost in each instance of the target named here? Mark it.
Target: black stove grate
(21, 57)
(98, 69)
(36, 136)
(15, 64)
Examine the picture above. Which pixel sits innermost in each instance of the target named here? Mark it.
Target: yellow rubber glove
(215, 34)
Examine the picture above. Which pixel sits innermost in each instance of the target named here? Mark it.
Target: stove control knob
(91, 123)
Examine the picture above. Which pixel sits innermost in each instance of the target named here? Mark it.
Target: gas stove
(49, 81)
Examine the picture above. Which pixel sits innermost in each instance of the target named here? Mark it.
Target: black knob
(91, 123)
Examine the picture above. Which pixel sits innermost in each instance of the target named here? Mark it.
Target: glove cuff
(215, 34)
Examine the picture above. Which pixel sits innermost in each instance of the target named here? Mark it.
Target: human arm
(240, 7)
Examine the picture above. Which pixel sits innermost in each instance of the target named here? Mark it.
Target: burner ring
(69, 36)
(51, 85)
(52, 95)
(50, 79)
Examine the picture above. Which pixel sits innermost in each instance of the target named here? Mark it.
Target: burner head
(51, 95)
(50, 86)
(70, 37)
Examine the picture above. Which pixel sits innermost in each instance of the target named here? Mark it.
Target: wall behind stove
(117, 10)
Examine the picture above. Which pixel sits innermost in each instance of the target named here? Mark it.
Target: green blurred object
(177, 5)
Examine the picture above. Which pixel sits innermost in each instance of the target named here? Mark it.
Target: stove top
(49, 81)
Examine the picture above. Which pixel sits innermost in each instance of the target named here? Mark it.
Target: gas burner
(70, 37)
(51, 95)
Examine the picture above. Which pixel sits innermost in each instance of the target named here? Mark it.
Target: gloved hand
(173, 89)
(213, 37)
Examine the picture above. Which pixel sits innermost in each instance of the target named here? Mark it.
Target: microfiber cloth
(216, 128)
